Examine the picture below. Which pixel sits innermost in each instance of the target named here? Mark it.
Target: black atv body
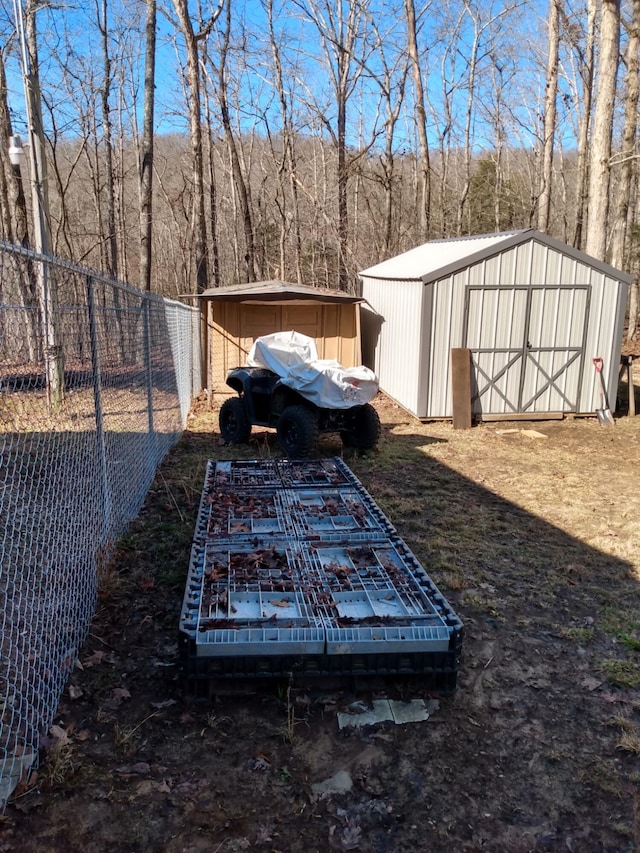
(263, 400)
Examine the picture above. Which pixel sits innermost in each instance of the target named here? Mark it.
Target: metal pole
(146, 332)
(97, 398)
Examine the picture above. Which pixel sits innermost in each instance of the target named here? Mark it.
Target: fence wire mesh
(96, 380)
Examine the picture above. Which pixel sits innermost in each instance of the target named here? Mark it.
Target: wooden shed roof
(276, 291)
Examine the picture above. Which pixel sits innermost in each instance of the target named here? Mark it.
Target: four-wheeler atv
(264, 400)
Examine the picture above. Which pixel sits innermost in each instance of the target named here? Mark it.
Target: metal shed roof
(276, 291)
(436, 258)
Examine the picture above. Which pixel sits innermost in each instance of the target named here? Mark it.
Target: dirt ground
(531, 530)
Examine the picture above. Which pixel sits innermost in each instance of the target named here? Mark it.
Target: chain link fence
(96, 381)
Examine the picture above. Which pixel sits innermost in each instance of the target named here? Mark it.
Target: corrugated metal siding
(448, 304)
(496, 323)
(606, 314)
(552, 379)
(559, 289)
(400, 349)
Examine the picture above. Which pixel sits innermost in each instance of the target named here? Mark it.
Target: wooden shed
(532, 311)
(234, 316)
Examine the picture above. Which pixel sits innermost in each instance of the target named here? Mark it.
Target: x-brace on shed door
(527, 347)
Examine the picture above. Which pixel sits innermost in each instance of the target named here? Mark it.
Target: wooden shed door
(527, 347)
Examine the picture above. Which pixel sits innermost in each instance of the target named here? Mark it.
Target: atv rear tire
(366, 429)
(233, 421)
(297, 431)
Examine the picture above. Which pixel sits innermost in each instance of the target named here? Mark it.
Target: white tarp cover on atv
(325, 382)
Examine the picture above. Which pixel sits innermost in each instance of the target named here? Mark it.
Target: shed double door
(527, 347)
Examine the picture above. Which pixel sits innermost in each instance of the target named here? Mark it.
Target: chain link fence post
(105, 501)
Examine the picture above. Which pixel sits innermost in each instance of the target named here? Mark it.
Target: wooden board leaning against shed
(461, 387)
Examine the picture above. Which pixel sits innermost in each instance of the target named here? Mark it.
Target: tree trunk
(146, 149)
(213, 202)
(111, 241)
(288, 161)
(195, 131)
(241, 185)
(600, 166)
(582, 180)
(623, 200)
(14, 205)
(421, 121)
(549, 118)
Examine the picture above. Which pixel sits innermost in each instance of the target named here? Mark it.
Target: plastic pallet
(330, 512)
(308, 575)
(248, 599)
(238, 513)
(303, 473)
(434, 671)
(242, 474)
(278, 473)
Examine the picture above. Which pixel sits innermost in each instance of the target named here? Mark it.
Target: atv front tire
(297, 431)
(365, 430)
(233, 421)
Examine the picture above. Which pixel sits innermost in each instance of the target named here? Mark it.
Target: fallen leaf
(261, 763)
(94, 659)
(75, 692)
(120, 693)
(164, 703)
(59, 734)
(141, 768)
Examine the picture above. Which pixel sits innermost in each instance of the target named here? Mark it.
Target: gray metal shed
(532, 310)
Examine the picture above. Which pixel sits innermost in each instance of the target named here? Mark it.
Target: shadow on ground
(527, 755)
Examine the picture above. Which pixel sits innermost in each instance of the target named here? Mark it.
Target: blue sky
(71, 35)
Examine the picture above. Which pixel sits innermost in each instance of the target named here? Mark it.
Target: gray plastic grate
(315, 472)
(278, 473)
(309, 572)
(240, 473)
(231, 513)
(239, 596)
(317, 513)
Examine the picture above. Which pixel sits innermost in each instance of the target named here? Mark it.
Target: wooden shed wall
(234, 326)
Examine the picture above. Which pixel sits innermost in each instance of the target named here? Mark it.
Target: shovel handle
(597, 363)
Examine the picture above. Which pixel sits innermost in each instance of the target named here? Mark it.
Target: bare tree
(340, 26)
(626, 156)
(290, 219)
(587, 62)
(220, 85)
(424, 208)
(600, 161)
(111, 241)
(15, 224)
(549, 115)
(146, 148)
(192, 40)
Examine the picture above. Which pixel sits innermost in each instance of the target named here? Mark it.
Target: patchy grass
(535, 542)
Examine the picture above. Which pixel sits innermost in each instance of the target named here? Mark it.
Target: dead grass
(535, 542)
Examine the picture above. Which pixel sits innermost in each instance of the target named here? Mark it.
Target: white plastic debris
(389, 710)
